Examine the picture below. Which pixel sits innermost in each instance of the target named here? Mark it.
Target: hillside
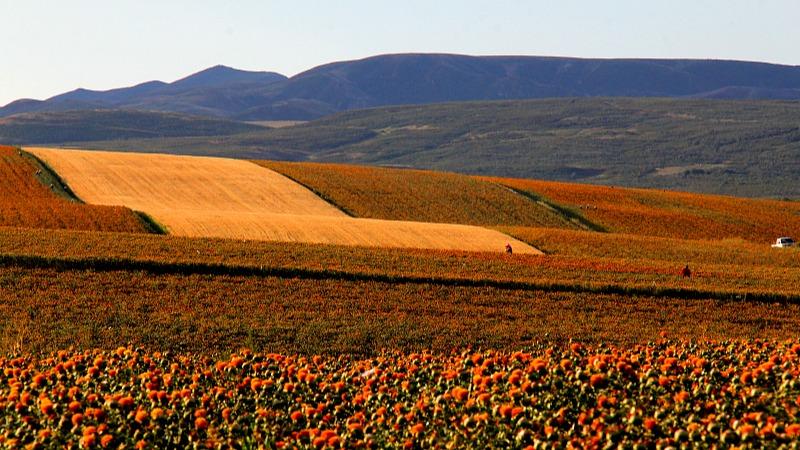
(429, 78)
(420, 343)
(516, 204)
(400, 194)
(228, 198)
(433, 78)
(745, 148)
(95, 125)
(668, 214)
(32, 197)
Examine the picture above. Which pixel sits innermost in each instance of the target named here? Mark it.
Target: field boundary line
(59, 187)
(319, 194)
(567, 214)
(194, 268)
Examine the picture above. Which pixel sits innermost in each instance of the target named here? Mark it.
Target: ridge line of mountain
(422, 78)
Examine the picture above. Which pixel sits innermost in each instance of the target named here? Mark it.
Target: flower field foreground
(663, 394)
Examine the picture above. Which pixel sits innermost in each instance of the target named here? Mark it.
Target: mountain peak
(222, 75)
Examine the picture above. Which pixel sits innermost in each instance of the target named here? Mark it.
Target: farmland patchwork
(226, 198)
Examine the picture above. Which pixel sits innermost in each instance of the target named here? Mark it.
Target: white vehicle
(783, 242)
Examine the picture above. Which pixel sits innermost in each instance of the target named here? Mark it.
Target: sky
(50, 47)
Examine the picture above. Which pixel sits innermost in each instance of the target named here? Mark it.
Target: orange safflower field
(669, 214)
(116, 338)
(657, 395)
(28, 202)
(388, 193)
(402, 194)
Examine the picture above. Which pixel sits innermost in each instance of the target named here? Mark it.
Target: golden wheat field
(217, 197)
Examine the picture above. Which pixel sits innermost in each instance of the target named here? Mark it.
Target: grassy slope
(26, 202)
(747, 148)
(424, 196)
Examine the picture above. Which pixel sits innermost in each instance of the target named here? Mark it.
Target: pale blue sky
(49, 47)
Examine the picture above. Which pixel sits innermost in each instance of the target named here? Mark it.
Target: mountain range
(402, 79)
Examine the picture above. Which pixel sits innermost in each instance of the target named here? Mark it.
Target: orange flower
(459, 393)
(597, 380)
(156, 413)
(88, 440)
(106, 440)
(126, 402)
(46, 406)
(201, 423)
(141, 416)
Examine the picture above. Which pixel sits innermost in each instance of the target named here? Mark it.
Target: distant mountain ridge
(403, 79)
(196, 94)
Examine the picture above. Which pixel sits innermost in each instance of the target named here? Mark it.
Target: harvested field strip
(214, 314)
(154, 182)
(418, 195)
(669, 214)
(340, 231)
(216, 197)
(560, 281)
(26, 202)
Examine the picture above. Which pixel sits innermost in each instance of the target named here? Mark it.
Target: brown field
(585, 244)
(216, 197)
(418, 195)
(26, 202)
(727, 270)
(669, 214)
(45, 309)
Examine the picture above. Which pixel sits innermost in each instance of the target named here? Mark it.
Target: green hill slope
(749, 148)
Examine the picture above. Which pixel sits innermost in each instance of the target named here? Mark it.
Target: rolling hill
(389, 193)
(746, 148)
(429, 78)
(418, 195)
(229, 198)
(31, 196)
(93, 125)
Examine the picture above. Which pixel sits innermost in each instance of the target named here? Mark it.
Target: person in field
(686, 272)
(509, 250)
